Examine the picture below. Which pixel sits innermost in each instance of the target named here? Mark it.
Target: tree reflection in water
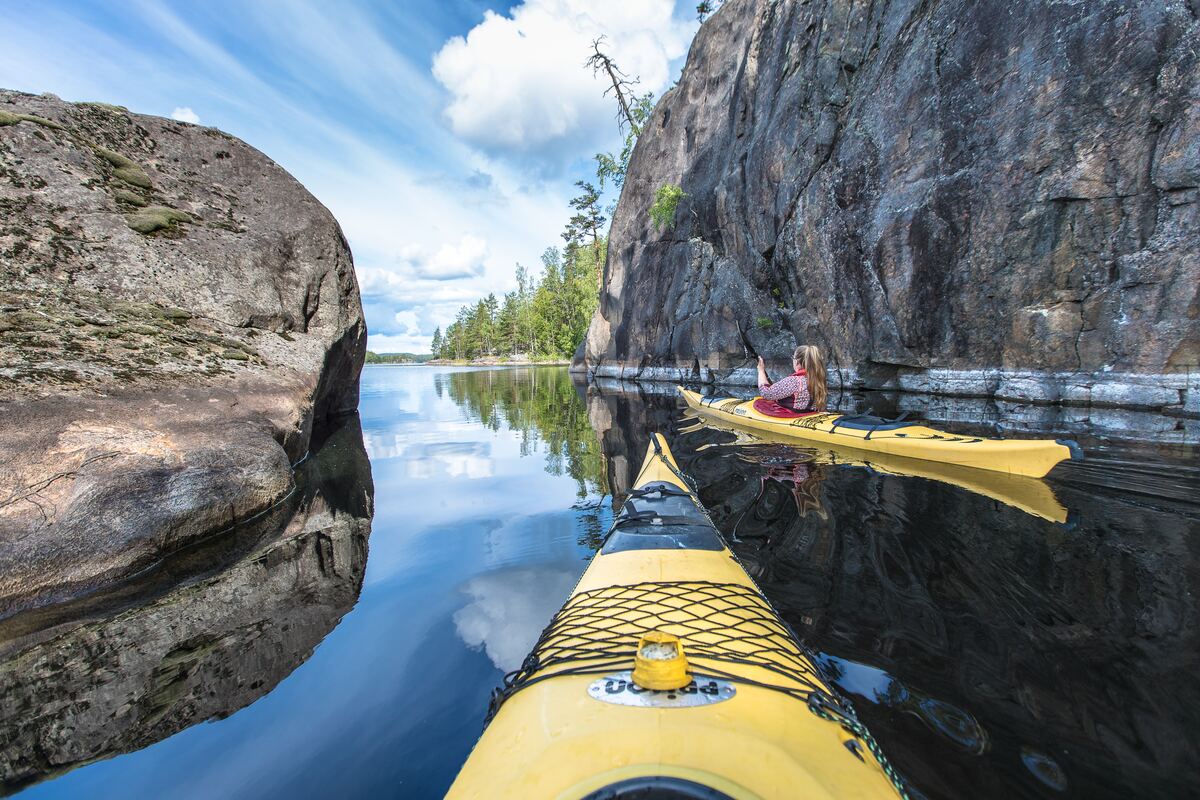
(544, 407)
(542, 404)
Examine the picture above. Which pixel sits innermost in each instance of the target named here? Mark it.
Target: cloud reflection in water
(509, 609)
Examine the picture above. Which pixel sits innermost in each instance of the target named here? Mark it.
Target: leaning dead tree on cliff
(632, 112)
(622, 87)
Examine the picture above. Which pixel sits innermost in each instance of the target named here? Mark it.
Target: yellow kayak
(1031, 457)
(667, 674)
(1031, 495)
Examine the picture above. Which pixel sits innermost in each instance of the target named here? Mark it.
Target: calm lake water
(1014, 641)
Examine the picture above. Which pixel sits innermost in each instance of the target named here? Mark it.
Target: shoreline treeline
(547, 316)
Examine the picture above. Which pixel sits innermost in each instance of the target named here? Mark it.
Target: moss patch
(109, 107)
(176, 315)
(157, 218)
(124, 168)
(132, 198)
(10, 118)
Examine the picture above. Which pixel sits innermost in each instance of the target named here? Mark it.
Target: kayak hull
(552, 738)
(1029, 457)
(1031, 495)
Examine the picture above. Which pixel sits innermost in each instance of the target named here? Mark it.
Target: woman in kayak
(804, 390)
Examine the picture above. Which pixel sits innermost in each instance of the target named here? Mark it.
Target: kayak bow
(667, 674)
(1032, 457)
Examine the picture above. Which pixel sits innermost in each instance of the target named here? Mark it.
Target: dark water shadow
(992, 653)
(200, 635)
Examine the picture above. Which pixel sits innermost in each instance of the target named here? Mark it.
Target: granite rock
(920, 187)
(177, 315)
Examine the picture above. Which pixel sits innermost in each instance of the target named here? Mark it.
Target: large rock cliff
(948, 196)
(177, 313)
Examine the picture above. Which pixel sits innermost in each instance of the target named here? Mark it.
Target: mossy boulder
(130, 393)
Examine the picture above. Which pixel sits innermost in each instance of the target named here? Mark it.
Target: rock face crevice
(932, 192)
(178, 315)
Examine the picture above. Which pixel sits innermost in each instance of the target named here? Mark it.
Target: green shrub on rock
(666, 202)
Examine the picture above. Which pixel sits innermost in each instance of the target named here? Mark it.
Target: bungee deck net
(596, 632)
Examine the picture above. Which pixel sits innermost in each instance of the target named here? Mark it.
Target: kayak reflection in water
(802, 391)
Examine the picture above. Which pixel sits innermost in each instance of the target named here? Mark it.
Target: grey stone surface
(177, 313)
(926, 190)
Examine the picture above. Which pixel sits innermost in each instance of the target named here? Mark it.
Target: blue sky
(445, 135)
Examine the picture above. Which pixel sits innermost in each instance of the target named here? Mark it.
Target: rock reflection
(1076, 644)
(203, 635)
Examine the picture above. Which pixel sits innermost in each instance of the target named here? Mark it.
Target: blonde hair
(809, 357)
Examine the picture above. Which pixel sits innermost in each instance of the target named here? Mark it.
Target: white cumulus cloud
(451, 261)
(421, 288)
(185, 114)
(518, 84)
(415, 269)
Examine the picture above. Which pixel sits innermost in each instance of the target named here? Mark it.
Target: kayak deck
(1030, 457)
(757, 721)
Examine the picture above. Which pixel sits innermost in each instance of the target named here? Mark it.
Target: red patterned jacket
(790, 392)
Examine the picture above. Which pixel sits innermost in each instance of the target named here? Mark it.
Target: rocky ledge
(177, 314)
(946, 199)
